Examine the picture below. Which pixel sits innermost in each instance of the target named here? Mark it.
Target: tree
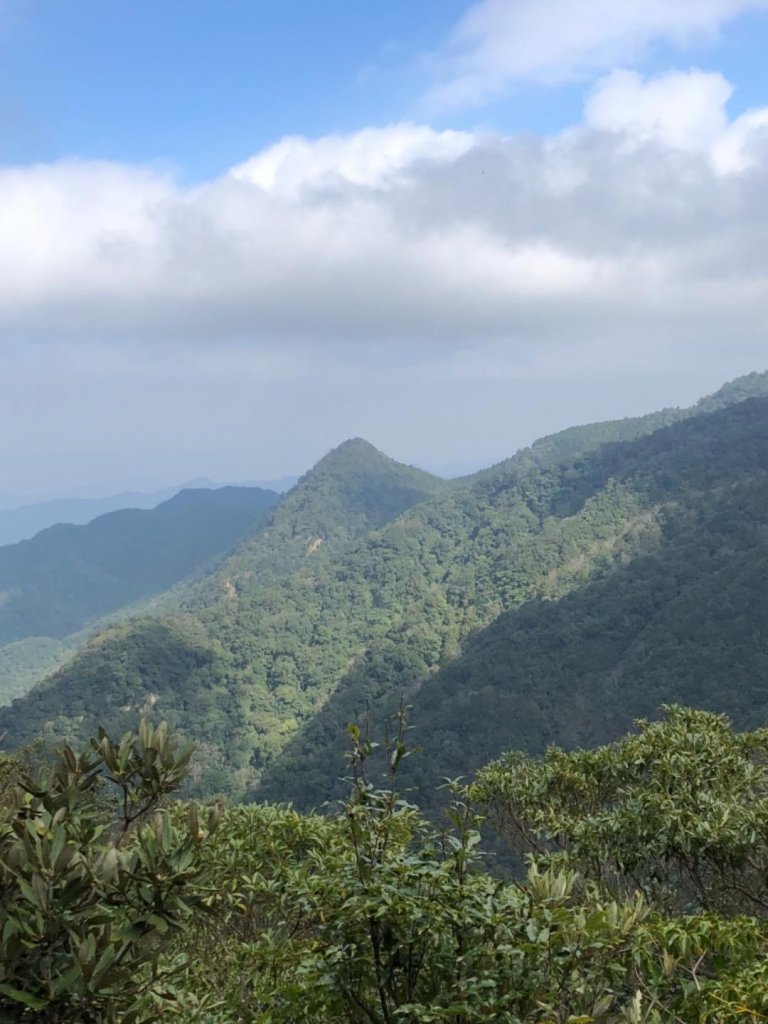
(679, 811)
(94, 884)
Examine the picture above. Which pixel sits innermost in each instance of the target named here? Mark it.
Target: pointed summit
(358, 456)
(351, 490)
(354, 451)
(356, 444)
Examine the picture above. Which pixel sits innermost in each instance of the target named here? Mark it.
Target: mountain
(214, 634)
(26, 662)
(68, 576)
(25, 521)
(65, 576)
(576, 441)
(644, 589)
(505, 606)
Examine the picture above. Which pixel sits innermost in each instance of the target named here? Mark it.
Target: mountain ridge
(384, 605)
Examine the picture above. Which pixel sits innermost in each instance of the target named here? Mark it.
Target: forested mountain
(588, 579)
(195, 656)
(68, 576)
(575, 441)
(635, 582)
(351, 491)
(22, 522)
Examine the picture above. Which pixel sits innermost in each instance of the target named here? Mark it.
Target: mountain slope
(577, 441)
(53, 584)
(648, 592)
(25, 521)
(333, 604)
(352, 490)
(66, 578)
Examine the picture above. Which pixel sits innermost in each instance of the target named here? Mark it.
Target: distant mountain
(575, 441)
(281, 485)
(68, 576)
(25, 521)
(506, 606)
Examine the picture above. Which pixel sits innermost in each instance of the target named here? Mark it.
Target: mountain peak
(360, 443)
(355, 482)
(353, 448)
(360, 463)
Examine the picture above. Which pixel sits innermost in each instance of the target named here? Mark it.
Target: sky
(233, 234)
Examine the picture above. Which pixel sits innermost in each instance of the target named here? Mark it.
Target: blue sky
(203, 84)
(236, 233)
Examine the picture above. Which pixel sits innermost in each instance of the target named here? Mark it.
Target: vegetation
(676, 812)
(584, 583)
(66, 576)
(131, 666)
(601, 607)
(24, 662)
(635, 906)
(93, 891)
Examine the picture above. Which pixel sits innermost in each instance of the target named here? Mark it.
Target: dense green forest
(24, 662)
(589, 579)
(66, 578)
(640, 895)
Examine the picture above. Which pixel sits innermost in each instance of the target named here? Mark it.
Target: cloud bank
(638, 232)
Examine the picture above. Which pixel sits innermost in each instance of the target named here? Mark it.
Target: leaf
(35, 1002)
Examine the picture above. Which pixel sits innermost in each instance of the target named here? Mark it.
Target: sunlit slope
(351, 491)
(67, 581)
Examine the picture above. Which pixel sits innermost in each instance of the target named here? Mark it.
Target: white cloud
(679, 109)
(500, 42)
(641, 230)
(743, 143)
(373, 158)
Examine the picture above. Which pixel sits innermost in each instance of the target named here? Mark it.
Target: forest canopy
(144, 909)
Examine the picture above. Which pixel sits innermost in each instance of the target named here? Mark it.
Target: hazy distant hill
(25, 521)
(505, 605)
(53, 584)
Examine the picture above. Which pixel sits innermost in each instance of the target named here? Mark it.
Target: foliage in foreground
(93, 885)
(375, 916)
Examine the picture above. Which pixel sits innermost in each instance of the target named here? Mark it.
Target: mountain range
(587, 580)
(66, 578)
(24, 520)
